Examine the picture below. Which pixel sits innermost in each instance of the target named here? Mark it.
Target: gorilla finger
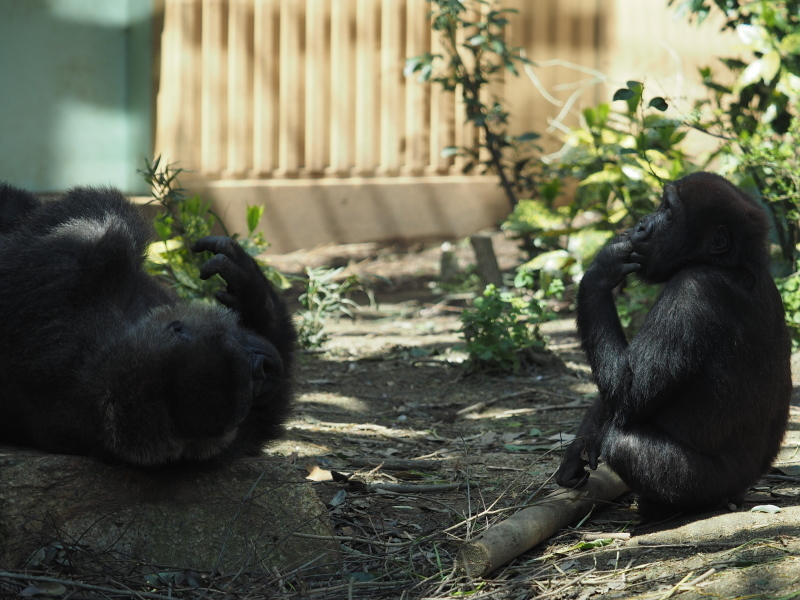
(593, 456)
(628, 268)
(636, 257)
(220, 244)
(223, 266)
(212, 243)
(231, 301)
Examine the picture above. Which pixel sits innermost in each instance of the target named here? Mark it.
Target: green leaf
(634, 86)
(551, 262)
(771, 65)
(449, 151)
(528, 136)
(659, 103)
(790, 44)
(751, 74)
(623, 94)
(254, 214)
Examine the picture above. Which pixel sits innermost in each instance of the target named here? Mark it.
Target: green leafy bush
(502, 331)
(185, 220)
(324, 297)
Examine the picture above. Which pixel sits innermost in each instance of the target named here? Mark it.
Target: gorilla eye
(176, 327)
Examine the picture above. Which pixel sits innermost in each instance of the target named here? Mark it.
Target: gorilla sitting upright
(98, 358)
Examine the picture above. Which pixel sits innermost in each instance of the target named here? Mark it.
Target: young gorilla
(691, 412)
(98, 358)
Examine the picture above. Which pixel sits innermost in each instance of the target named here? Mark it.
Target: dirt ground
(387, 390)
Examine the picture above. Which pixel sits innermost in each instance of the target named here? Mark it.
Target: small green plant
(325, 296)
(469, 66)
(502, 332)
(185, 220)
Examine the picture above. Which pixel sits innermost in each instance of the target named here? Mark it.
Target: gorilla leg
(669, 476)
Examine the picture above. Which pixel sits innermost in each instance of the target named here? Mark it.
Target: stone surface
(239, 515)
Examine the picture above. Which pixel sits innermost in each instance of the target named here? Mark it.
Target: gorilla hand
(572, 472)
(247, 291)
(612, 264)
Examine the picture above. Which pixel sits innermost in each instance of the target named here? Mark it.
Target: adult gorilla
(98, 358)
(692, 411)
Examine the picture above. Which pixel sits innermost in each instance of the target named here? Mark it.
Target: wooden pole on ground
(522, 531)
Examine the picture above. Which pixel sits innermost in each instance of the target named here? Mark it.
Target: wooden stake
(488, 269)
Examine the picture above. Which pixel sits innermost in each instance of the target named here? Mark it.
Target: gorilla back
(98, 358)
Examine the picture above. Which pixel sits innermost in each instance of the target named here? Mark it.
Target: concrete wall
(75, 105)
(302, 214)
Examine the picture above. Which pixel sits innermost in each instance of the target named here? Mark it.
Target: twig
(566, 585)
(479, 406)
(81, 585)
(410, 488)
(782, 478)
(396, 464)
(591, 537)
(677, 586)
(358, 540)
(702, 578)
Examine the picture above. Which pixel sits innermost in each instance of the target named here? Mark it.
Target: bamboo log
(522, 531)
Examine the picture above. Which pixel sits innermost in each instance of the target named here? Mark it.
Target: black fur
(691, 412)
(98, 358)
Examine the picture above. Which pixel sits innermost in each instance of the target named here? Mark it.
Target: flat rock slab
(244, 514)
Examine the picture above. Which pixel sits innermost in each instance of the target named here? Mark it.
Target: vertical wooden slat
(317, 73)
(341, 88)
(177, 137)
(442, 121)
(213, 100)
(488, 93)
(392, 87)
(265, 87)
(291, 89)
(417, 94)
(240, 87)
(367, 89)
(465, 134)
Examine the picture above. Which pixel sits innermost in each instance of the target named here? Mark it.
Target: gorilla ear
(720, 241)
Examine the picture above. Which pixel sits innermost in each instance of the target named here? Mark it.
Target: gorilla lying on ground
(98, 358)
(691, 412)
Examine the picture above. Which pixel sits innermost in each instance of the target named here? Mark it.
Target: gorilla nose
(259, 364)
(642, 230)
(266, 372)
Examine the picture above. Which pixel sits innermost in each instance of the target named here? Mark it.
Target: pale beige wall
(301, 105)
